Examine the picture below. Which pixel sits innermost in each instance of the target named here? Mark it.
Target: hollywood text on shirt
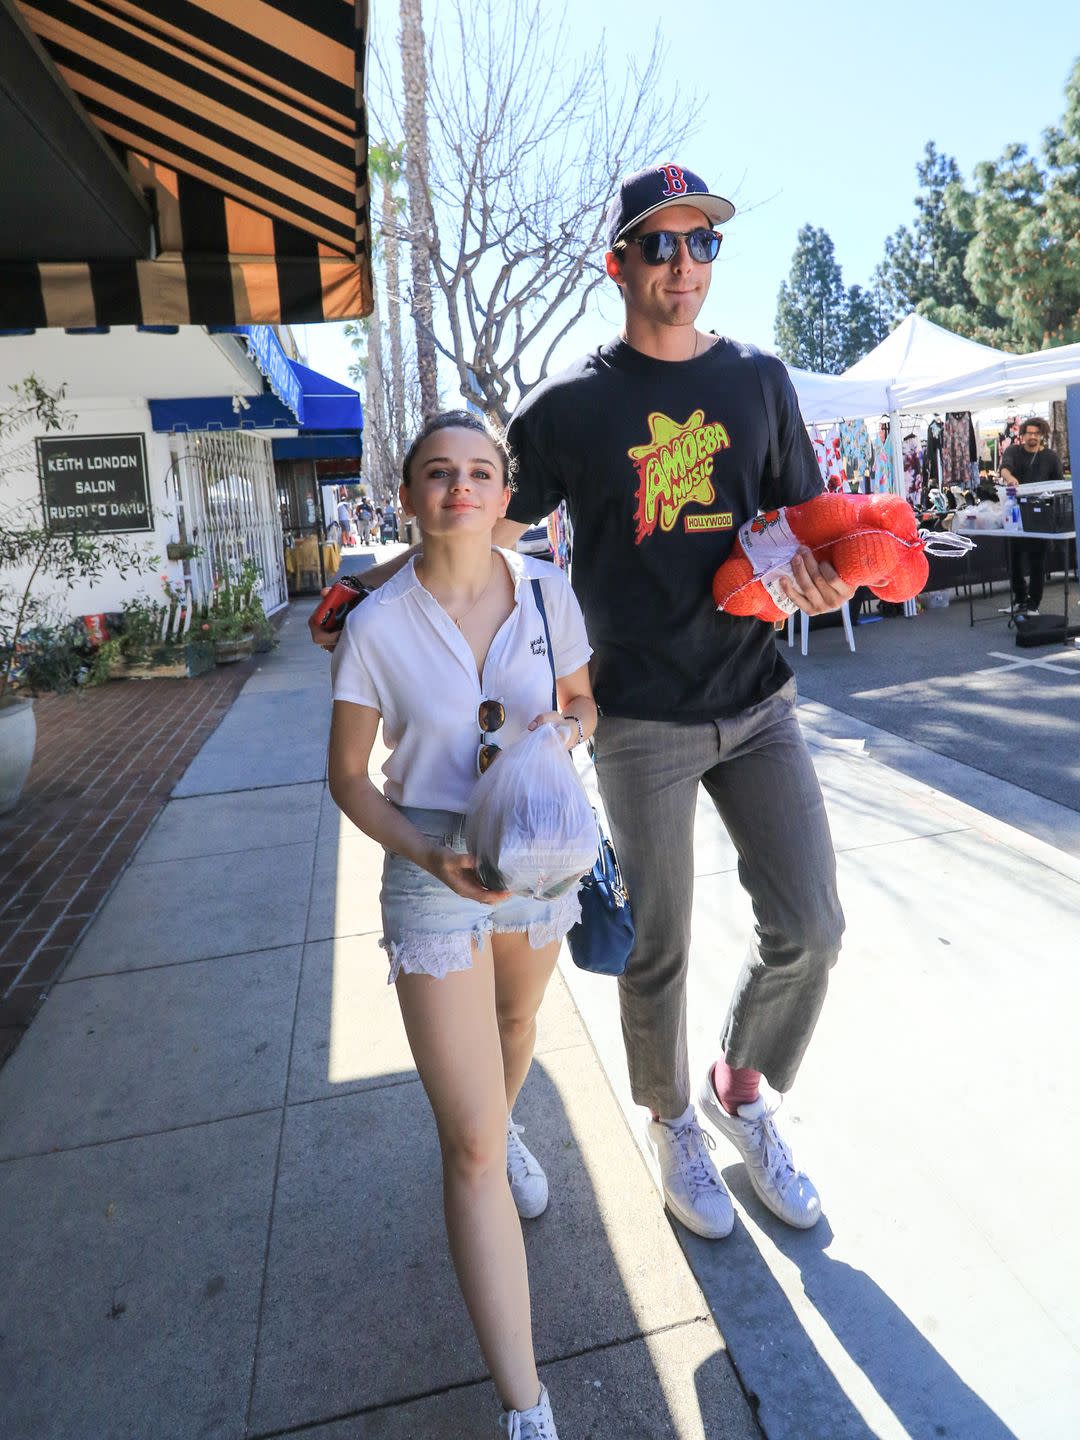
(675, 469)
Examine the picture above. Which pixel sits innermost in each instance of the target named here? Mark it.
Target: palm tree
(421, 219)
(385, 164)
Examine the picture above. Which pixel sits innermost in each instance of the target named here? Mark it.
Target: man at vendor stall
(1031, 462)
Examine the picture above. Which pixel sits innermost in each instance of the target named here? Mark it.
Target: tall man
(1025, 464)
(659, 443)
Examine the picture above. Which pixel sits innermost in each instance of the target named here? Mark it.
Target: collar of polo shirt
(405, 579)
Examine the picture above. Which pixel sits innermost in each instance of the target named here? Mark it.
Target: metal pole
(898, 477)
(1072, 421)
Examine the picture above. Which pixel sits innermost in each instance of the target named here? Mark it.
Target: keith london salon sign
(94, 482)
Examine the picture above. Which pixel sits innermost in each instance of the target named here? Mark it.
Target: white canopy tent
(1040, 376)
(919, 357)
(920, 366)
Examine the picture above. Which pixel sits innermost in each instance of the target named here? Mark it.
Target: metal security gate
(228, 508)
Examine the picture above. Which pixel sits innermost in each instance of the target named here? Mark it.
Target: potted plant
(35, 562)
(230, 632)
(150, 641)
(235, 615)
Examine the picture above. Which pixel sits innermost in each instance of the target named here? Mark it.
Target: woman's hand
(458, 873)
(568, 731)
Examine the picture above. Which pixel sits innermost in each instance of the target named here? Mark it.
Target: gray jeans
(758, 773)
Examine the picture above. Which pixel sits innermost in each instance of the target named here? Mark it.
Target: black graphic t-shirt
(659, 463)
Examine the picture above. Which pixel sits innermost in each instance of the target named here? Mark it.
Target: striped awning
(244, 123)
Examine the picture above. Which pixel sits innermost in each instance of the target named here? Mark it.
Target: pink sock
(735, 1087)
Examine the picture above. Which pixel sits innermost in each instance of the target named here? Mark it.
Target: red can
(344, 595)
(96, 627)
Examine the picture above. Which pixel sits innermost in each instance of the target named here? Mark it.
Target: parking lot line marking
(1015, 664)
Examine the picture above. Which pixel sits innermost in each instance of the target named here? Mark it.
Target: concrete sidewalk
(219, 1189)
(220, 1200)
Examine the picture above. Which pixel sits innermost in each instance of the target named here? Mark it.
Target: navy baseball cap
(658, 188)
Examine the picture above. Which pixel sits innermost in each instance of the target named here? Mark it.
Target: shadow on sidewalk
(801, 1395)
(363, 1328)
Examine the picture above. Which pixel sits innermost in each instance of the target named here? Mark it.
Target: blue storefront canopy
(331, 420)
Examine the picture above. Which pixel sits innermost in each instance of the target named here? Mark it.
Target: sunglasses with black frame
(659, 247)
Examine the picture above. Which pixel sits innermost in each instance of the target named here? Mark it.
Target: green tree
(811, 308)
(865, 323)
(924, 265)
(1023, 262)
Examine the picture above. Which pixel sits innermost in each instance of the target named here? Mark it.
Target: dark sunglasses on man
(659, 247)
(490, 717)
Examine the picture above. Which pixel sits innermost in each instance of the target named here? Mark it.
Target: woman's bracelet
(580, 731)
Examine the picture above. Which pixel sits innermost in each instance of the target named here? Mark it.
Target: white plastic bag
(529, 825)
(987, 515)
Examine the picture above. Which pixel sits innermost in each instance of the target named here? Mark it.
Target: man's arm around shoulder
(507, 533)
(371, 580)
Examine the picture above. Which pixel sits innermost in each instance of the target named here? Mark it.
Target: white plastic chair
(804, 628)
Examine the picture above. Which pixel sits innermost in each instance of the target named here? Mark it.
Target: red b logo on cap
(674, 184)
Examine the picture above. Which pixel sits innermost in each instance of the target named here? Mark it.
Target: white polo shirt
(401, 654)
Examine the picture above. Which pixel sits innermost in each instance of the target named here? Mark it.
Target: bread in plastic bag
(529, 825)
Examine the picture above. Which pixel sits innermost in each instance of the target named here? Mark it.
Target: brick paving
(105, 762)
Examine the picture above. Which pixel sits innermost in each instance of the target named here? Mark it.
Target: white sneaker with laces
(784, 1190)
(534, 1424)
(528, 1183)
(693, 1191)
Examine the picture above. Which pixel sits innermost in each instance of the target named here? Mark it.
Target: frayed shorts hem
(442, 952)
(428, 929)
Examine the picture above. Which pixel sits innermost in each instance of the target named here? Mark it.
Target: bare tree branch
(526, 148)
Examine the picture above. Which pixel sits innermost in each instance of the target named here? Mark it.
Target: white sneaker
(528, 1183)
(535, 1424)
(693, 1191)
(786, 1191)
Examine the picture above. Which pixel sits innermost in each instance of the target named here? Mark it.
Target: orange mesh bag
(870, 540)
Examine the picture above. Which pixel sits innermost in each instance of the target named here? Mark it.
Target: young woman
(451, 655)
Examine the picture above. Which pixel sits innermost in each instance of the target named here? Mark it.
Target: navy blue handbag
(603, 938)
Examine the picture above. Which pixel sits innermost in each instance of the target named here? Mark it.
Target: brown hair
(461, 420)
(1043, 426)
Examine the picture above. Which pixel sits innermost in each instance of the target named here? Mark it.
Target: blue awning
(266, 350)
(332, 416)
(317, 445)
(328, 405)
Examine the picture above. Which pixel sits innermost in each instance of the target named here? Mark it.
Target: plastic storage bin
(1049, 511)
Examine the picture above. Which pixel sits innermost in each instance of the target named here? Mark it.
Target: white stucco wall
(105, 417)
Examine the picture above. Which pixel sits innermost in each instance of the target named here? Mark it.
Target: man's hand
(325, 639)
(815, 588)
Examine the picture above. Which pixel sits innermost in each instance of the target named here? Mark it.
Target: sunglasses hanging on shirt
(491, 716)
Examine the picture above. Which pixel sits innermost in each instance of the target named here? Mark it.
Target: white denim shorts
(428, 929)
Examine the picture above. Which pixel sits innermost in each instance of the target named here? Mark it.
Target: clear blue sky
(818, 114)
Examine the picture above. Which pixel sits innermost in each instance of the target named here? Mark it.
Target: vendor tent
(917, 356)
(1042, 375)
(920, 366)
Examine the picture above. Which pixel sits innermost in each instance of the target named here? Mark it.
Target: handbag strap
(538, 596)
(770, 411)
